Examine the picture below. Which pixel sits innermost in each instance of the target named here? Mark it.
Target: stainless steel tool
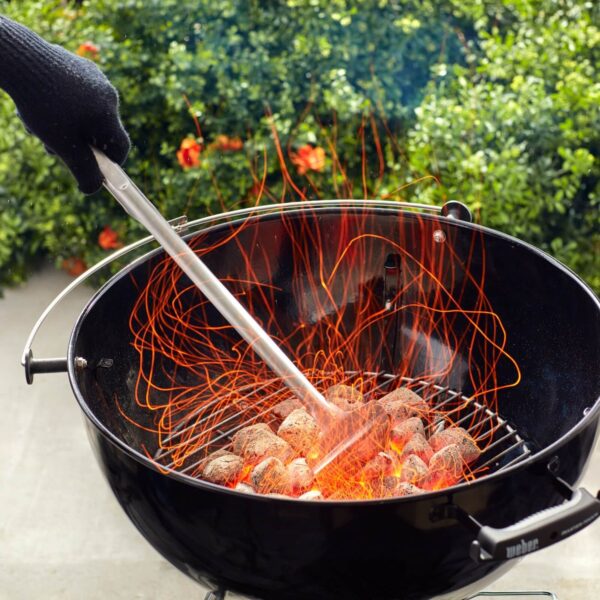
(131, 198)
(341, 431)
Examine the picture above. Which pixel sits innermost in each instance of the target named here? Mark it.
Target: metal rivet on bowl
(80, 363)
(439, 236)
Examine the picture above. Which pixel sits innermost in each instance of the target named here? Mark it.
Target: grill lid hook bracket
(457, 210)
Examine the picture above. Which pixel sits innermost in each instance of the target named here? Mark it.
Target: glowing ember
(414, 469)
(379, 466)
(301, 476)
(312, 495)
(406, 464)
(404, 431)
(445, 468)
(244, 487)
(418, 446)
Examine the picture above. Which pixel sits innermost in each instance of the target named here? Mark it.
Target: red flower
(188, 154)
(227, 144)
(74, 266)
(88, 50)
(108, 239)
(308, 158)
(255, 190)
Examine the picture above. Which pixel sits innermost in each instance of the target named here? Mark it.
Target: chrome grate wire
(211, 426)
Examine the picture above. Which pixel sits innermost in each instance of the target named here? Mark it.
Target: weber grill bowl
(446, 544)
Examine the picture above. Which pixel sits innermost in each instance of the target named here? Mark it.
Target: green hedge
(516, 132)
(498, 101)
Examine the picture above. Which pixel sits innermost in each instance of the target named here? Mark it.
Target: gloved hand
(63, 99)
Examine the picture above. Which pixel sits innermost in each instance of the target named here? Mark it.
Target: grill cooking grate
(211, 427)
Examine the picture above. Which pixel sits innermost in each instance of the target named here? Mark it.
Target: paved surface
(62, 534)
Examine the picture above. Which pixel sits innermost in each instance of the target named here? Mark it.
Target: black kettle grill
(443, 544)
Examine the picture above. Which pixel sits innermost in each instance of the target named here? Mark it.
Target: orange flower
(227, 144)
(255, 189)
(74, 266)
(188, 154)
(308, 158)
(108, 239)
(88, 50)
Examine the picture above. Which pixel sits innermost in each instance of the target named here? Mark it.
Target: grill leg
(218, 594)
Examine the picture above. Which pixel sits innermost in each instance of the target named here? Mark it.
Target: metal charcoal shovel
(342, 431)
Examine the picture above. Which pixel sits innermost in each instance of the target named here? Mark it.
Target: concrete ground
(62, 534)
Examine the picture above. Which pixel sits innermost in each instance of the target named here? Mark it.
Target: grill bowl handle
(33, 366)
(537, 531)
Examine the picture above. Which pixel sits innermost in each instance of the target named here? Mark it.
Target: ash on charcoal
(396, 409)
(241, 436)
(447, 459)
(209, 457)
(270, 477)
(408, 489)
(388, 486)
(403, 432)
(385, 487)
(256, 442)
(224, 469)
(344, 396)
(413, 469)
(445, 468)
(285, 407)
(392, 487)
(300, 474)
(311, 495)
(417, 445)
(299, 430)
(378, 467)
(403, 403)
(467, 446)
(244, 487)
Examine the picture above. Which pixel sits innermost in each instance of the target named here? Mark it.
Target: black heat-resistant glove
(63, 99)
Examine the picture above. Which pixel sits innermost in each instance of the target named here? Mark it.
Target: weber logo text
(523, 547)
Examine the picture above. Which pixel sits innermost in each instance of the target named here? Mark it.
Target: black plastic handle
(537, 531)
(33, 366)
